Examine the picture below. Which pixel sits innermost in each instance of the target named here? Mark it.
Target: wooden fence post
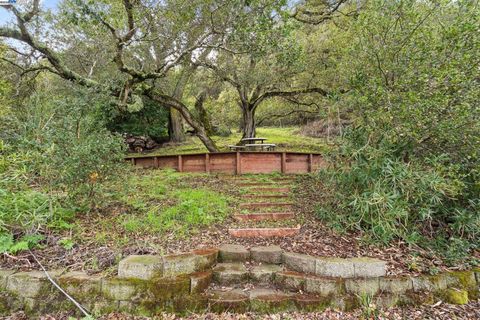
(239, 164)
(207, 163)
(284, 162)
(156, 163)
(310, 162)
(180, 163)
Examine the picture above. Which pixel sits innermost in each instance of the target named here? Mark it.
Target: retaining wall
(148, 285)
(235, 162)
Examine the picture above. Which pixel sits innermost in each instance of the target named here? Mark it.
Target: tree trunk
(175, 126)
(187, 116)
(248, 122)
(202, 113)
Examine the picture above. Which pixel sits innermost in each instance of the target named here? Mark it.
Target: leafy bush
(375, 191)
(409, 167)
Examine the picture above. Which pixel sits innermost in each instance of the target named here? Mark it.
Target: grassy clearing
(286, 139)
(153, 203)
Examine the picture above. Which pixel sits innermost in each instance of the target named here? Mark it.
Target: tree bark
(183, 110)
(175, 126)
(248, 122)
(203, 116)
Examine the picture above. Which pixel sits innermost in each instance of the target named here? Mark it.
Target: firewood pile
(140, 143)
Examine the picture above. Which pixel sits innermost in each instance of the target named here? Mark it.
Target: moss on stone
(456, 296)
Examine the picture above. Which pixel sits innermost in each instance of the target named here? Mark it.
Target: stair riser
(264, 216)
(264, 232)
(265, 196)
(265, 205)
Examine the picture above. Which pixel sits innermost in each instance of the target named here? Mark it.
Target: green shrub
(374, 190)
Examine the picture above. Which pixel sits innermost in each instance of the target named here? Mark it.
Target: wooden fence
(235, 162)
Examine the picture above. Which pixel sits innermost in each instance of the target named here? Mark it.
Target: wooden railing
(235, 162)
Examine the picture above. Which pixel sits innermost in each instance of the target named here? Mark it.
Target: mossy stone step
(265, 273)
(230, 273)
(267, 254)
(263, 301)
(233, 253)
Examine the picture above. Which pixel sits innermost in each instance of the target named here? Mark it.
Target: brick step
(266, 189)
(265, 196)
(256, 179)
(263, 232)
(254, 205)
(264, 216)
(263, 184)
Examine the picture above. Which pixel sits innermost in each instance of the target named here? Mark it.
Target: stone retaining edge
(150, 284)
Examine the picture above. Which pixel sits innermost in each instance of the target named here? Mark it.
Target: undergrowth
(379, 193)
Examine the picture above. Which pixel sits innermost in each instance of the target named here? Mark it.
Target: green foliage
(164, 200)
(409, 166)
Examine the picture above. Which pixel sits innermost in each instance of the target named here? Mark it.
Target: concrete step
(234, 274)
(262, 300)
(275, 216)
(256, 205)
(229, 273)
(263, 232)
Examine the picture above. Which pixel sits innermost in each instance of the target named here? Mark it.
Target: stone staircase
(267, 279)
(266, 200)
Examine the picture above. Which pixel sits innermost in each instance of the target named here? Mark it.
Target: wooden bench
(236, 148)
(262, 146)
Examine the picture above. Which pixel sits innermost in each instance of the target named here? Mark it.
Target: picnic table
(253, 140)
(251, 143)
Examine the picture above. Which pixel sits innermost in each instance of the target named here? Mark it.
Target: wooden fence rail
(235, 162)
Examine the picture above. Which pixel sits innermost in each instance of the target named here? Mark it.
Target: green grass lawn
(286, 139)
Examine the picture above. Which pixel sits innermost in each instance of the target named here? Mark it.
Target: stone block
(386, 300)
(143, 267)
(164, 289)
(4, 274)
(299, 262)
(230, 273)
(324, 286)
(311, 303)
(290, 280)
(233, 301)
(200, 281)
(462, 279)
(205, 258)
(270, 301)
(264, 274)
(267, 254)
(369, 267)
(179, 264)
(334, 267)
(79, 283)
(365, 286)
(477, 275)
(31, 284)
(397, 285)
(233, 253)
(456, 296)
(431, 283)
(119, 289)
